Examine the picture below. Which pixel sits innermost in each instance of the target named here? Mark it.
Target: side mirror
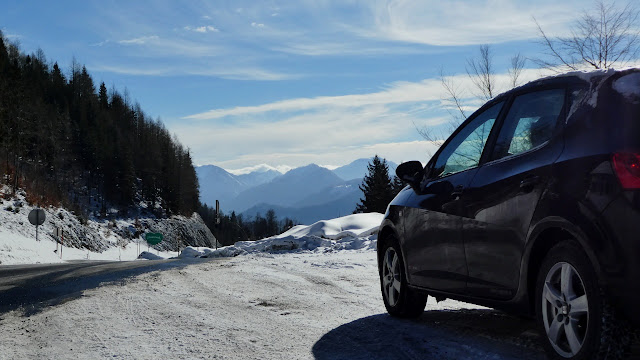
(411, 172)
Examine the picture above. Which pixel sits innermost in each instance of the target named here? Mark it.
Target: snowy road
(283, 306)
(33, 285)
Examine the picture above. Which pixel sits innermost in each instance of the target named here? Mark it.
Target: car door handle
(457, 192)
(529, 182)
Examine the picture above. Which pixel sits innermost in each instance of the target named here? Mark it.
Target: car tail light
(627, 167)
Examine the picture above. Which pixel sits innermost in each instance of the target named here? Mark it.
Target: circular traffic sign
(36, 217)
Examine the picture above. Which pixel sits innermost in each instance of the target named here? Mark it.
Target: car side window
(529, 123)
(465, 149)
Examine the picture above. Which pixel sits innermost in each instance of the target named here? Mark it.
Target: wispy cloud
(351, 48)
(100, 44)
(260, 168)
(231, 73)
(457, 22)
(327, 127)
(139, 40)
(401, 92)
(201, 29)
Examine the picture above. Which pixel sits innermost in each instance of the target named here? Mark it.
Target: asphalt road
(32, 287)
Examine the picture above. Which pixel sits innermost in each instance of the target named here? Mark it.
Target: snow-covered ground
(16, 248)
(319, 299)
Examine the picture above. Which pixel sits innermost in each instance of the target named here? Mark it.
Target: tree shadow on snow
(437, 334)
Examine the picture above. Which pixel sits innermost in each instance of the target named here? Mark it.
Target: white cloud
(329, 135)
(344, 48)
(397, 152)
(12, 37)
(260, 168)
(457, 22)
(101, 43)
(223, 72)
(202, 29)
(139, 40)
(400, 92)
(257, 25)
(326, 130)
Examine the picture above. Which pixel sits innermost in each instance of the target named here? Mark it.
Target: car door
(433, 244)
(500, 200)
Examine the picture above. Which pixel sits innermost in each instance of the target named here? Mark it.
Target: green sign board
(153, 238)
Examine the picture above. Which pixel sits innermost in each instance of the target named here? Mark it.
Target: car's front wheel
(573, 311)
(399, 299)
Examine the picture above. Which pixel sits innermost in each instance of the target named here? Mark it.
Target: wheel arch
(387, 229)
(546, 234)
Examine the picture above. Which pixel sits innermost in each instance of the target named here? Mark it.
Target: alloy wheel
(391, 276)
(565, 309)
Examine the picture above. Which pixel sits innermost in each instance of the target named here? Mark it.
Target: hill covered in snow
(114, 238)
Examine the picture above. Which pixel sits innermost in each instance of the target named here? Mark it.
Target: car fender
(576, 222)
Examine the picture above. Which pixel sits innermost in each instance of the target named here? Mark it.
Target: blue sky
(287, 83)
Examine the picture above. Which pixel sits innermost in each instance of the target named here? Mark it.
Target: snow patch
(145, 255)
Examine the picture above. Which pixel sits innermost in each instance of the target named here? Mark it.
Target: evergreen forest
(69, 142)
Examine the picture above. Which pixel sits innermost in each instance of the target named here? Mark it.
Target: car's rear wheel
(399, 299)
(573, 311)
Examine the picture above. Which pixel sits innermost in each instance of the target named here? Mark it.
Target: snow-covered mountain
(358, 169)
(218, 184)
(256, 178)
(326, 203)
(289, 189)
(306, 194)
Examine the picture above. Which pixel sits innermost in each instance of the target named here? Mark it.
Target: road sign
(36, 217)
(153, 238)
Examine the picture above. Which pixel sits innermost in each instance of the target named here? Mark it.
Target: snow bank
(356, 225)
(149, 256)
(352, 232)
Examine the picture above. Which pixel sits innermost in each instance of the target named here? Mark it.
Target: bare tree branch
(553, 52)
(480, 71)
(517, 64)
(599, 39)
(453, 100)
(453, 97)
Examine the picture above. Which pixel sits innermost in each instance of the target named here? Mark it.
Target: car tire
(574, 317)
(399, 299)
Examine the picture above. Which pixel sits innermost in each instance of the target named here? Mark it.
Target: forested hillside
(70, 142)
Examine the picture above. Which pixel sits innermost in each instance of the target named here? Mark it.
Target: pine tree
(376, 187)
(397, 185)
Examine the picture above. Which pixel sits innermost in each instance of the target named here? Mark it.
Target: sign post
(217, 219)
(60, 235)
(36, 217)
